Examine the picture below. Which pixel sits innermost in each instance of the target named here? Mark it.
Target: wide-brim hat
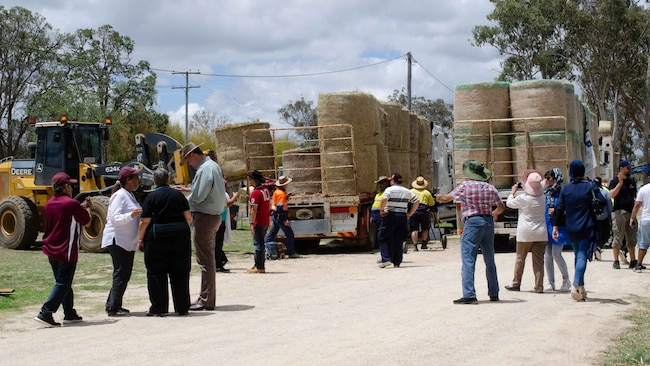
(382, 179)
(187, 150)
(420, 183)
(475, 170)
(533, 182)
(283, 181)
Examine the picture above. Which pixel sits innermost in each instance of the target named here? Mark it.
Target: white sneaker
(597, 255)
(566, 286)
(622, 258)
(549, 287)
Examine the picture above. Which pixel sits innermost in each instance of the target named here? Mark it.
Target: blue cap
(624, 163)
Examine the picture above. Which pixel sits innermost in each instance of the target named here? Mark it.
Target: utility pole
(187, 88)
(409, 60)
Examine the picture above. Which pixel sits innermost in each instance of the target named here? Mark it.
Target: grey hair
(161, 177)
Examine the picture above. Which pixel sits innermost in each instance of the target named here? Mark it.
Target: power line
(433, 76)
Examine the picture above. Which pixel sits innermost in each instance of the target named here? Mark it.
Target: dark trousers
(219, 255)
(392, 233)
(260, 249)
(122, 268)
(169, 257)
(62, 293)
(277, 224)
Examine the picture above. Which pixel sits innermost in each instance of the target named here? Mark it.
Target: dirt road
(341, 309)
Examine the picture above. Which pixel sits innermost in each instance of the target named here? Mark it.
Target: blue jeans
(62, 293)
(580, 249)
(276, 225)
(260, 249)
(478, 232)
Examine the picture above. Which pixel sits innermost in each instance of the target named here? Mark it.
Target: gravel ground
(341, 309)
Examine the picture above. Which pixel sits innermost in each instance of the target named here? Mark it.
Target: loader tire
(91, 236)
(18, 222)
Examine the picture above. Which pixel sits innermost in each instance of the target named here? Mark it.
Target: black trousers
(168, 258)
(122, 268)
(219, 255)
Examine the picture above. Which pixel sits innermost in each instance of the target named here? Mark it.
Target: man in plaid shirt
(477, 198)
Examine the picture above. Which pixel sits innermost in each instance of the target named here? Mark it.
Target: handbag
(597, 206)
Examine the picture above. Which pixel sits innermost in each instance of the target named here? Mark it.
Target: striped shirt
(398, 198)
(476, 197)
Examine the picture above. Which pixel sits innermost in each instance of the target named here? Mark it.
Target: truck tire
(18, 222)
(91, 236)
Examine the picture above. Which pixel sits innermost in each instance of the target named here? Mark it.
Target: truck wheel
(18, 222)
(91, 236)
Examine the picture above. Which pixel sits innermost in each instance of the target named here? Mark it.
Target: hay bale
(405, 130)
(543, 152)
(424, 136)
(414, 133)
(537, 98)
(425, 168)
(496, 157)
(383, 162)
(394, 123)
(338, 170)
(303, 165)
(358, 109)
(481, 101)
(230, 149)
(366, 157)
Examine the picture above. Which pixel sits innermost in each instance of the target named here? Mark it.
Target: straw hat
(283, 181)
(187, 150)
(420, 183)
(382, 179)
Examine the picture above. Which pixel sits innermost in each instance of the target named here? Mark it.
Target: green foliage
(300, 113)
(436, 111)
(529, 34)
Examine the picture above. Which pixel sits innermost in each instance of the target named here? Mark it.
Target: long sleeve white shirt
(531, 224)
(119, 223)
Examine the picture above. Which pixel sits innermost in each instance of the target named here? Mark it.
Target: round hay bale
(394, 124)
(424, 135)
(230, 149)
(358, 109)
(536, 124)
(570, 101)
(383, 162)
(481, 101)
(537, 98)
(366, 157)
(303, 166)
(414, 133)
(605, 128)
(546, 152)
(338, 169)
(405, 130)
(498, 158)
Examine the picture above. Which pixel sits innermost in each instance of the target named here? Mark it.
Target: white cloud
(289, 37)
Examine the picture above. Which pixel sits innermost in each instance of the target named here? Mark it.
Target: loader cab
(61, 146)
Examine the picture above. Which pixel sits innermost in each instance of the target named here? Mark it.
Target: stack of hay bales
(425, 160)
(473, 104)
(303, 166)
(383, 162)
(413, 145)
(398, 138)
(230, 149)
(361, 111)
(539, 98)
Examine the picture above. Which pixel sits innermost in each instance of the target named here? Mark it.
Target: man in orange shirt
(279, 212)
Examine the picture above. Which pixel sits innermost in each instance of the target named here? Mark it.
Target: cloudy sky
(284, 49)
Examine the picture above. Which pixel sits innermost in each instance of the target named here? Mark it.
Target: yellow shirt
(426, 198)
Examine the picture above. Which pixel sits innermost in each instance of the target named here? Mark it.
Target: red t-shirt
(262, 198)
(63, 219)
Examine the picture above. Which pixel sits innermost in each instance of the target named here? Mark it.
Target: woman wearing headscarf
(554, 179)
(574, 207)
(120, 235)
(531, 227)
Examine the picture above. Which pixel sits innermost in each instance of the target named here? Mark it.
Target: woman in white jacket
(121, 235)
(531, 227)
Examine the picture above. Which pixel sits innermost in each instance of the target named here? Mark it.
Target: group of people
(396, 213)
(162, 226)
(550, 216)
